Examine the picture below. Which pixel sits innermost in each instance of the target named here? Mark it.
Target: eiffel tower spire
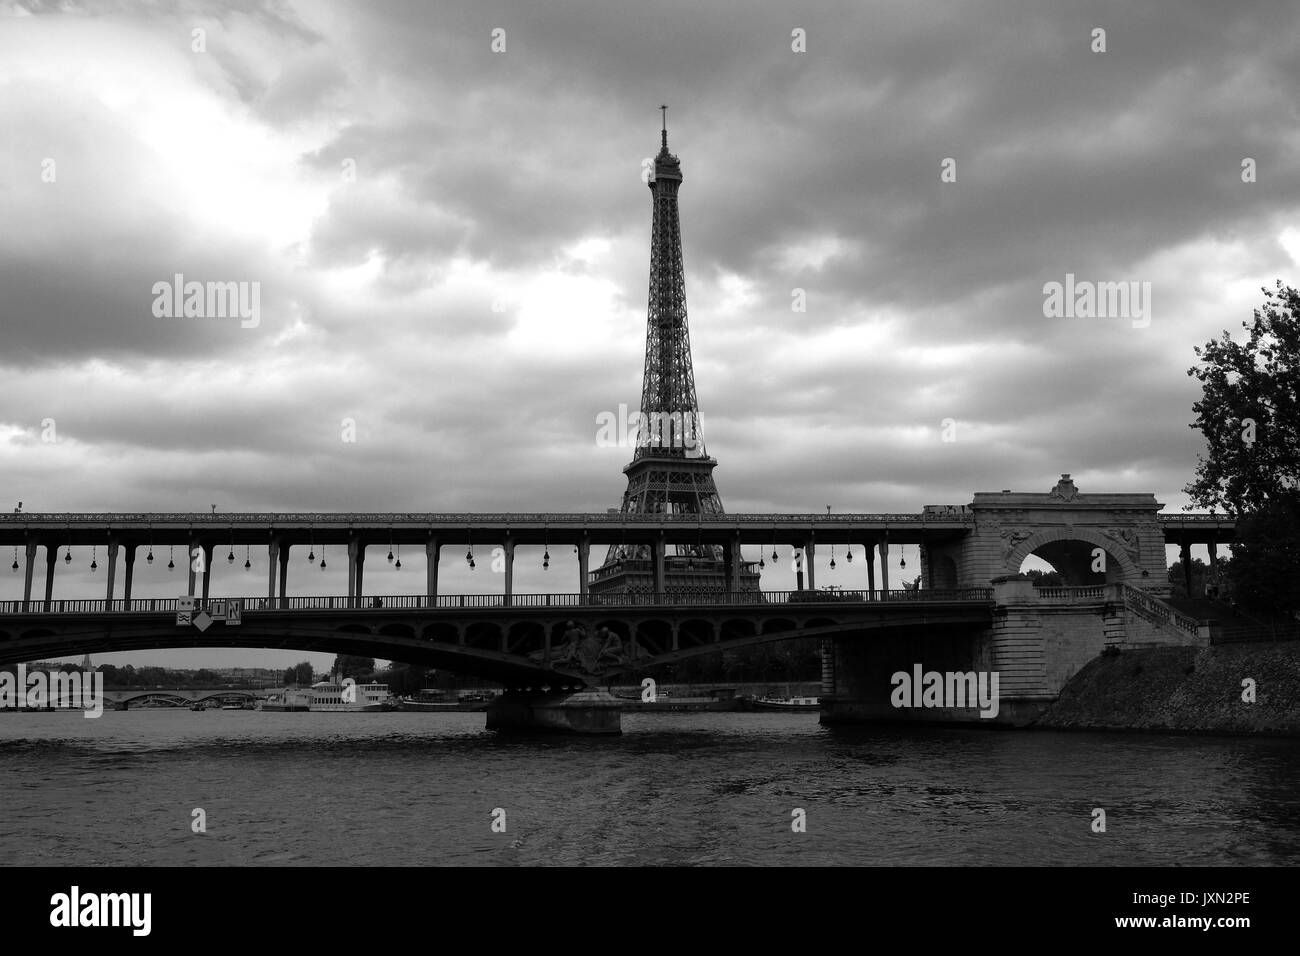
(671, 472)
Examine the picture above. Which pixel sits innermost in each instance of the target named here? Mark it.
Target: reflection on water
(402, 788)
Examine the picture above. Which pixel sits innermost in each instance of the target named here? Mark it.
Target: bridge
(1108, 548)
(535, 640)
(960, 544)
(125, 699)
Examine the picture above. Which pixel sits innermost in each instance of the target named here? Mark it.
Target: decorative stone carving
(1128, 539)
(1064, 489)
(1013, 539)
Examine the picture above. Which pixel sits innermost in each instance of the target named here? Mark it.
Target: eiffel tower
(671, 471)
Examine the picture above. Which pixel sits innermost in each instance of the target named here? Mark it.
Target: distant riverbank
(1185, 689)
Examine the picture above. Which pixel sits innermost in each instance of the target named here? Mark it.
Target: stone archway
(1128, 570)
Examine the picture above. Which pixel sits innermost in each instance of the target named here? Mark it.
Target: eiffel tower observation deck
(671, 471)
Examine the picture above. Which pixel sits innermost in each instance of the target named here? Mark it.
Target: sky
(441, 207)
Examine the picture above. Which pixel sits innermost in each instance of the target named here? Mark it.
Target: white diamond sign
(203, 620)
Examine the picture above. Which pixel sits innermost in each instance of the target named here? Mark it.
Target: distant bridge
(181, 696)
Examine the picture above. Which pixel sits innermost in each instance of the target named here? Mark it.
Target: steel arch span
(519, 647)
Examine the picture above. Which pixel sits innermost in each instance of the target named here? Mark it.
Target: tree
(300, 674)
(1250, 415)
(1200, 577)
(1045, 579)
(1249, 412)
(1265, 569)
(358, 668)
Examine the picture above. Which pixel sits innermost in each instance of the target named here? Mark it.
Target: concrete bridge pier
(587, 711)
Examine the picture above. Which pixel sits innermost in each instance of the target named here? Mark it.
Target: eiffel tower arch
(671, 471)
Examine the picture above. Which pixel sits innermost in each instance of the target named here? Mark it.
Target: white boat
(334, 696)
(788, 703)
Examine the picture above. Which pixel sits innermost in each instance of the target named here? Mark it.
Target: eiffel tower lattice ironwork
(671, 471)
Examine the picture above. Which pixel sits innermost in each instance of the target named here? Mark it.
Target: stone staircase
(1166, 623)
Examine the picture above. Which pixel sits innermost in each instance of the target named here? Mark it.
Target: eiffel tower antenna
(671, 471)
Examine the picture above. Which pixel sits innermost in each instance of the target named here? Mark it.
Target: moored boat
(334, 696)
(787, 703)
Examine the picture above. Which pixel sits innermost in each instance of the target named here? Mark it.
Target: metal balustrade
(404, 602)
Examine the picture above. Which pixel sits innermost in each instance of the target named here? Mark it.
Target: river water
(401, 788)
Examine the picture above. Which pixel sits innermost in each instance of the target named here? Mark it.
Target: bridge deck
(462, 602)
(524, 528)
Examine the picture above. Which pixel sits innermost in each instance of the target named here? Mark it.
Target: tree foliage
(1265, 570)
(1249, 412)
(358, 668)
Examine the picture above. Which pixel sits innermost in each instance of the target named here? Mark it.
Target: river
(692, 789)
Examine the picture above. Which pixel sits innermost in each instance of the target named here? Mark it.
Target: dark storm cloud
(475, 172)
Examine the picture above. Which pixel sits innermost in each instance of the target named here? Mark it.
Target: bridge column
(272, 558)
(189, 564)
(871, 569)
(509, 547)
(111, 560)
(884, 566)
(584, 555)
(799, 562)
(432, 553)
(1214, 560)
(207, 571)
(828, 667)
(354, 568)
(1185, 555)
(51, 560)
(283, 553)
(129, 567)
(361, 573)
(657, 548)
(734, 559)
(30, 552)
(809, 553)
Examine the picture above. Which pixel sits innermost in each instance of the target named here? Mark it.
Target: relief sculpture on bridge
(1128, 539)
(591, 652)
(1013, 539)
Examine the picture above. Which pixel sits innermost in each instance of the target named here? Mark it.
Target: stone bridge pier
(1109, 550)
(1036, 644)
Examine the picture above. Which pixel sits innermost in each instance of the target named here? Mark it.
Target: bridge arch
(1115, 555)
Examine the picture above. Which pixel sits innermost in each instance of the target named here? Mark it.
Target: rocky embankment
(1185, 689)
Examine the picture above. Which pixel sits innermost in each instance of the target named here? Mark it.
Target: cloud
(452, 245)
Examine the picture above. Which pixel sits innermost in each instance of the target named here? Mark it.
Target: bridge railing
(1088, 595)
(400, 602)
(1158, 611)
